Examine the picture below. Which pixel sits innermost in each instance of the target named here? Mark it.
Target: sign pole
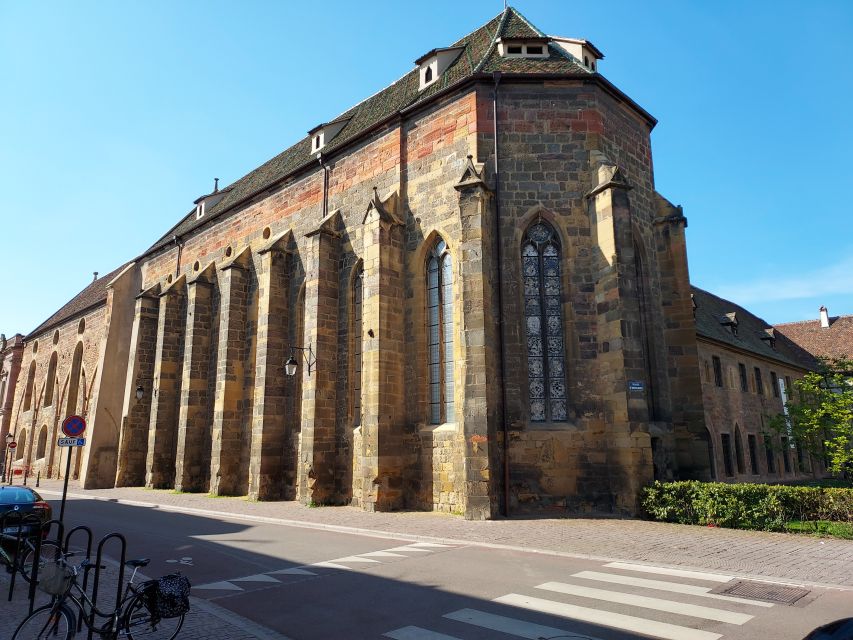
(65, 484)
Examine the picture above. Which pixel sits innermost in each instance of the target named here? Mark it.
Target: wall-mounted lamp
(292, 364)
(139, 392)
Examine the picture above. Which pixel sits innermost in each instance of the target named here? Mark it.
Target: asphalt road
(316, 584)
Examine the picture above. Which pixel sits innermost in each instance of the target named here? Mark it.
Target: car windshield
(17, 495)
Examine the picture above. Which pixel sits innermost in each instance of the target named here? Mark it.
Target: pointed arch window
(28, 393)
(546, 369)
(440, 333)
(51, 381)
(357, 293)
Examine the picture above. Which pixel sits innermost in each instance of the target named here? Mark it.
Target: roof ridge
(491, 48)
(526, 21)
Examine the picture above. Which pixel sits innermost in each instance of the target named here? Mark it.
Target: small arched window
(42, 443)
(28, 392)
(22, 444)
(50, 382)
(428, 75)
(440, 333)
(357, 292)
(546, 371)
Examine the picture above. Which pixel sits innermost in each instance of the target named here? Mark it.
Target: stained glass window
(357, 285)
(543, 321)
(440, 334)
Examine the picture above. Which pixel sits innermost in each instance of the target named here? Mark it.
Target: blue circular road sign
(73, 426)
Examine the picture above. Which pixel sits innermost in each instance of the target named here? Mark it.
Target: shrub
(745, 506)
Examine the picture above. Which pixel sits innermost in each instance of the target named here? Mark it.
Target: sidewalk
(751, 554)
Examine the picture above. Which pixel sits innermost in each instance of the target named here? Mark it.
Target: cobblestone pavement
(756, 554)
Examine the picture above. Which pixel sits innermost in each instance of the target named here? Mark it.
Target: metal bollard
(38, 478)
(25, 476)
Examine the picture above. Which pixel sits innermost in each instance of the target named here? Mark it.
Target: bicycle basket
(169, 596)
(55, 578)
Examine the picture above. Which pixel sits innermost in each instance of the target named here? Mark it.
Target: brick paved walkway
(756, 554)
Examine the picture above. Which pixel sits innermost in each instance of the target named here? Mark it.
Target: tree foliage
(820, 414)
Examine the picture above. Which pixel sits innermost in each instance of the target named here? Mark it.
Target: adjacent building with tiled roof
(829, 337)
(463, 294)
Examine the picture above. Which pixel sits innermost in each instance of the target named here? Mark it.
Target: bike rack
(44, 529)
(67, 544)
(16, 518)
(96, 581)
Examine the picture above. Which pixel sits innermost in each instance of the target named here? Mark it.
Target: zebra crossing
(692, 610)
(346, 563)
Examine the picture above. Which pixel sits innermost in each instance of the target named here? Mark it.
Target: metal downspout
(498, 241)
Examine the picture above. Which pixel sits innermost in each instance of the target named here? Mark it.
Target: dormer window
(323, 134)
(729, 320)
(528, 48)
(433, 64)
(199, 210)
(582, 51)
(211, 199)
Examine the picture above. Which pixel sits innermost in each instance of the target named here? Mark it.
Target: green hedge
(745, 506)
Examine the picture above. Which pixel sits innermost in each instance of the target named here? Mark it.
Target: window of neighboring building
(718, 371)
(759, 386)
(440, 333)
(739, 451)
(786, 455)
(802, 466)
(774, 382)
(727, 454)
(357, 289)
(753, 453)
(707, 372)
(789, 389)
(744, 381)
(771, 459)
(540, 262)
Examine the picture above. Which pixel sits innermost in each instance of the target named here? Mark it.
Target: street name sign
(71, 442)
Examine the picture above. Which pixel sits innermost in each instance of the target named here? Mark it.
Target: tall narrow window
(440, 334)
(786, 456)
(718, 371)
(739, 450)
(774, 382)
(759, 386)
(42, 443)
(546, 371)
(771, 458)
(649, 357)
(726, 439)
(753, 454)
(357, 288)
(744, 382)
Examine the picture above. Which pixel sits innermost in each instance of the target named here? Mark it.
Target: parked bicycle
(150, 610)
(19, 548)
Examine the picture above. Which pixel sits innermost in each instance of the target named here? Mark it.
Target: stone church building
(485, 300)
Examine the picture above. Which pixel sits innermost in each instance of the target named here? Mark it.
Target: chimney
(824, 318)
(95, 274)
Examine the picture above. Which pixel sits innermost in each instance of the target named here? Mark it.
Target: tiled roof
(710, 309)
(835, 341)
(91, 296)
(479, 55)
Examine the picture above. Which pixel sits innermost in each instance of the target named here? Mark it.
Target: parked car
(21, 507)
(838, 630)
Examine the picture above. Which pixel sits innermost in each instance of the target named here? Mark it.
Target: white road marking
(608, 618)
(416, 633)
(660, 585)
(355, 559)
(670, 606)
(223, 586)
(681, 573)
(330, 565)
(260, 577)
(382, 554)
(431, 545)
(409, 547)
(510, 626)
(295, 571)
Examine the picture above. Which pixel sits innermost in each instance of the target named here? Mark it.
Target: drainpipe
(180, 245)
(504, 427)
(325, 184)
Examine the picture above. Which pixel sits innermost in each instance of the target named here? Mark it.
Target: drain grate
(780, 593)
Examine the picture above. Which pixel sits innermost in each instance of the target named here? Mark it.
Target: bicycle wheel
(49, 552)
(141, 624)
(47, 622)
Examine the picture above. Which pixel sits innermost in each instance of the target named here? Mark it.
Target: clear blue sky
(115, 116)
